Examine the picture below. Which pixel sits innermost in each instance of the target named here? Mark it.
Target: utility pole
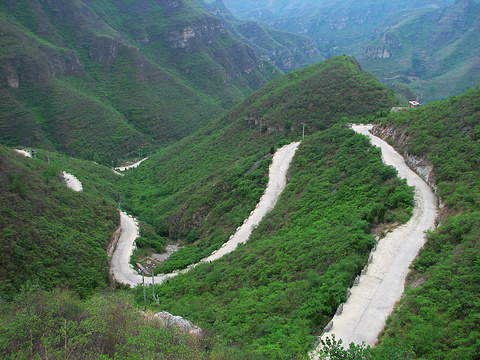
(143, 280)
(153, 281)
(303, 134)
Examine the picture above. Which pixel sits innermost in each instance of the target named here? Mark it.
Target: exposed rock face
(196, 34)
(48, 64)
(207, 34)
(452, 18)
(377, 52)
(178, 322)
(288, 55)
(388, 43)
(13, 81)
(399, 137)
(287, 51)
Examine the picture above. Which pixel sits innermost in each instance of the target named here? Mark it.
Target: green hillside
(89, 83)
(105, 326)
(202, 188)
(438, 316)
(52, 236)
(293, 273)
(427, 48)
(273, 296)
(288, 51)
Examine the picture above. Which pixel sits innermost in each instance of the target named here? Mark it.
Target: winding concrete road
(124, 272)
(373, 299)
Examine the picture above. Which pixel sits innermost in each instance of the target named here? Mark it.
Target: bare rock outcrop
(400, 139)
(169, 320)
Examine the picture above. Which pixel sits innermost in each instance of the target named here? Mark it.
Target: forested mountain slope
(438, 317)
(105, 326)
(271, 298)
(51, 235)
(274, 295)
(200, 189)
(100, 80)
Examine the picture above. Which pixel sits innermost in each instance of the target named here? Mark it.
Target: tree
(333, 350)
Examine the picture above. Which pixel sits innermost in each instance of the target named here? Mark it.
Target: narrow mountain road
(124, 272)
(373, 299)
(132, 166)
(276, 184)
(120, 262)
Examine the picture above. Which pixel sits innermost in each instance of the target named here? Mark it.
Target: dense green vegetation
(85, 89)
(51, 235)
(57, 325)
(288, 51)
(439, 315)
(319, 95)
(202, 188)
(274, 295)
(429, 51)
(102, 79)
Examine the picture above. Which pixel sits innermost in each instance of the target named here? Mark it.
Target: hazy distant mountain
(435, 52)
(286, 50)
(379, 34)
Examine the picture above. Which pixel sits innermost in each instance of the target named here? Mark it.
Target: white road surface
(23, 152)
(124, 272)
(132, 166)
(276, 184)
(373, 299)
(72, 182)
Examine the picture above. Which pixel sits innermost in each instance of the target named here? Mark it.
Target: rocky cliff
(288, 51)
(399, 138)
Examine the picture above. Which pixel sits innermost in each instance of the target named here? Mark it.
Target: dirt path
(124, 272)
(373, 299)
